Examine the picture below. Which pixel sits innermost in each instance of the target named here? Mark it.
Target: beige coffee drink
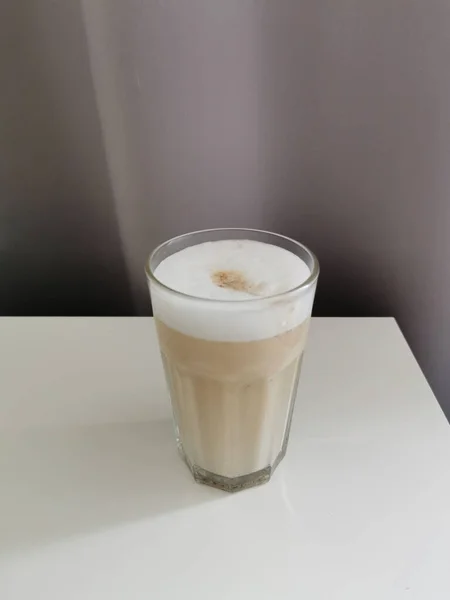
(232, 317)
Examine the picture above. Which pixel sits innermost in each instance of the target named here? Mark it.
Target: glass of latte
(232, 309)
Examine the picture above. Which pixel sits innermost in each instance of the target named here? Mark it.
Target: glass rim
(309, 281)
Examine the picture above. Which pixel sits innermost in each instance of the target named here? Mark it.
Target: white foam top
(228, 271)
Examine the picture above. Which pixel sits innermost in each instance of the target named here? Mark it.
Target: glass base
(232, 484)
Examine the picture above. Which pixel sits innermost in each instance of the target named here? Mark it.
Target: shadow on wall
(351, 283)
(59, 243)
(306, 199)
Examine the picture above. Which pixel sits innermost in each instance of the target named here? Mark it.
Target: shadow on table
(60, 484)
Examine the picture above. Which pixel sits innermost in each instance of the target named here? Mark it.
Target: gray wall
(328, 121)
(60, 249)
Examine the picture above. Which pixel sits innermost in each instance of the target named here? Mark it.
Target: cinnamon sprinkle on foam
(235, 280)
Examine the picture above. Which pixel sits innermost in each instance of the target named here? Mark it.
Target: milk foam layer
(229, 271)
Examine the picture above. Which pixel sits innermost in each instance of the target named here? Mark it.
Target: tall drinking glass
(232, 366)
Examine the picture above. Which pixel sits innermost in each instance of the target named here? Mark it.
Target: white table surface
(95, 503)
